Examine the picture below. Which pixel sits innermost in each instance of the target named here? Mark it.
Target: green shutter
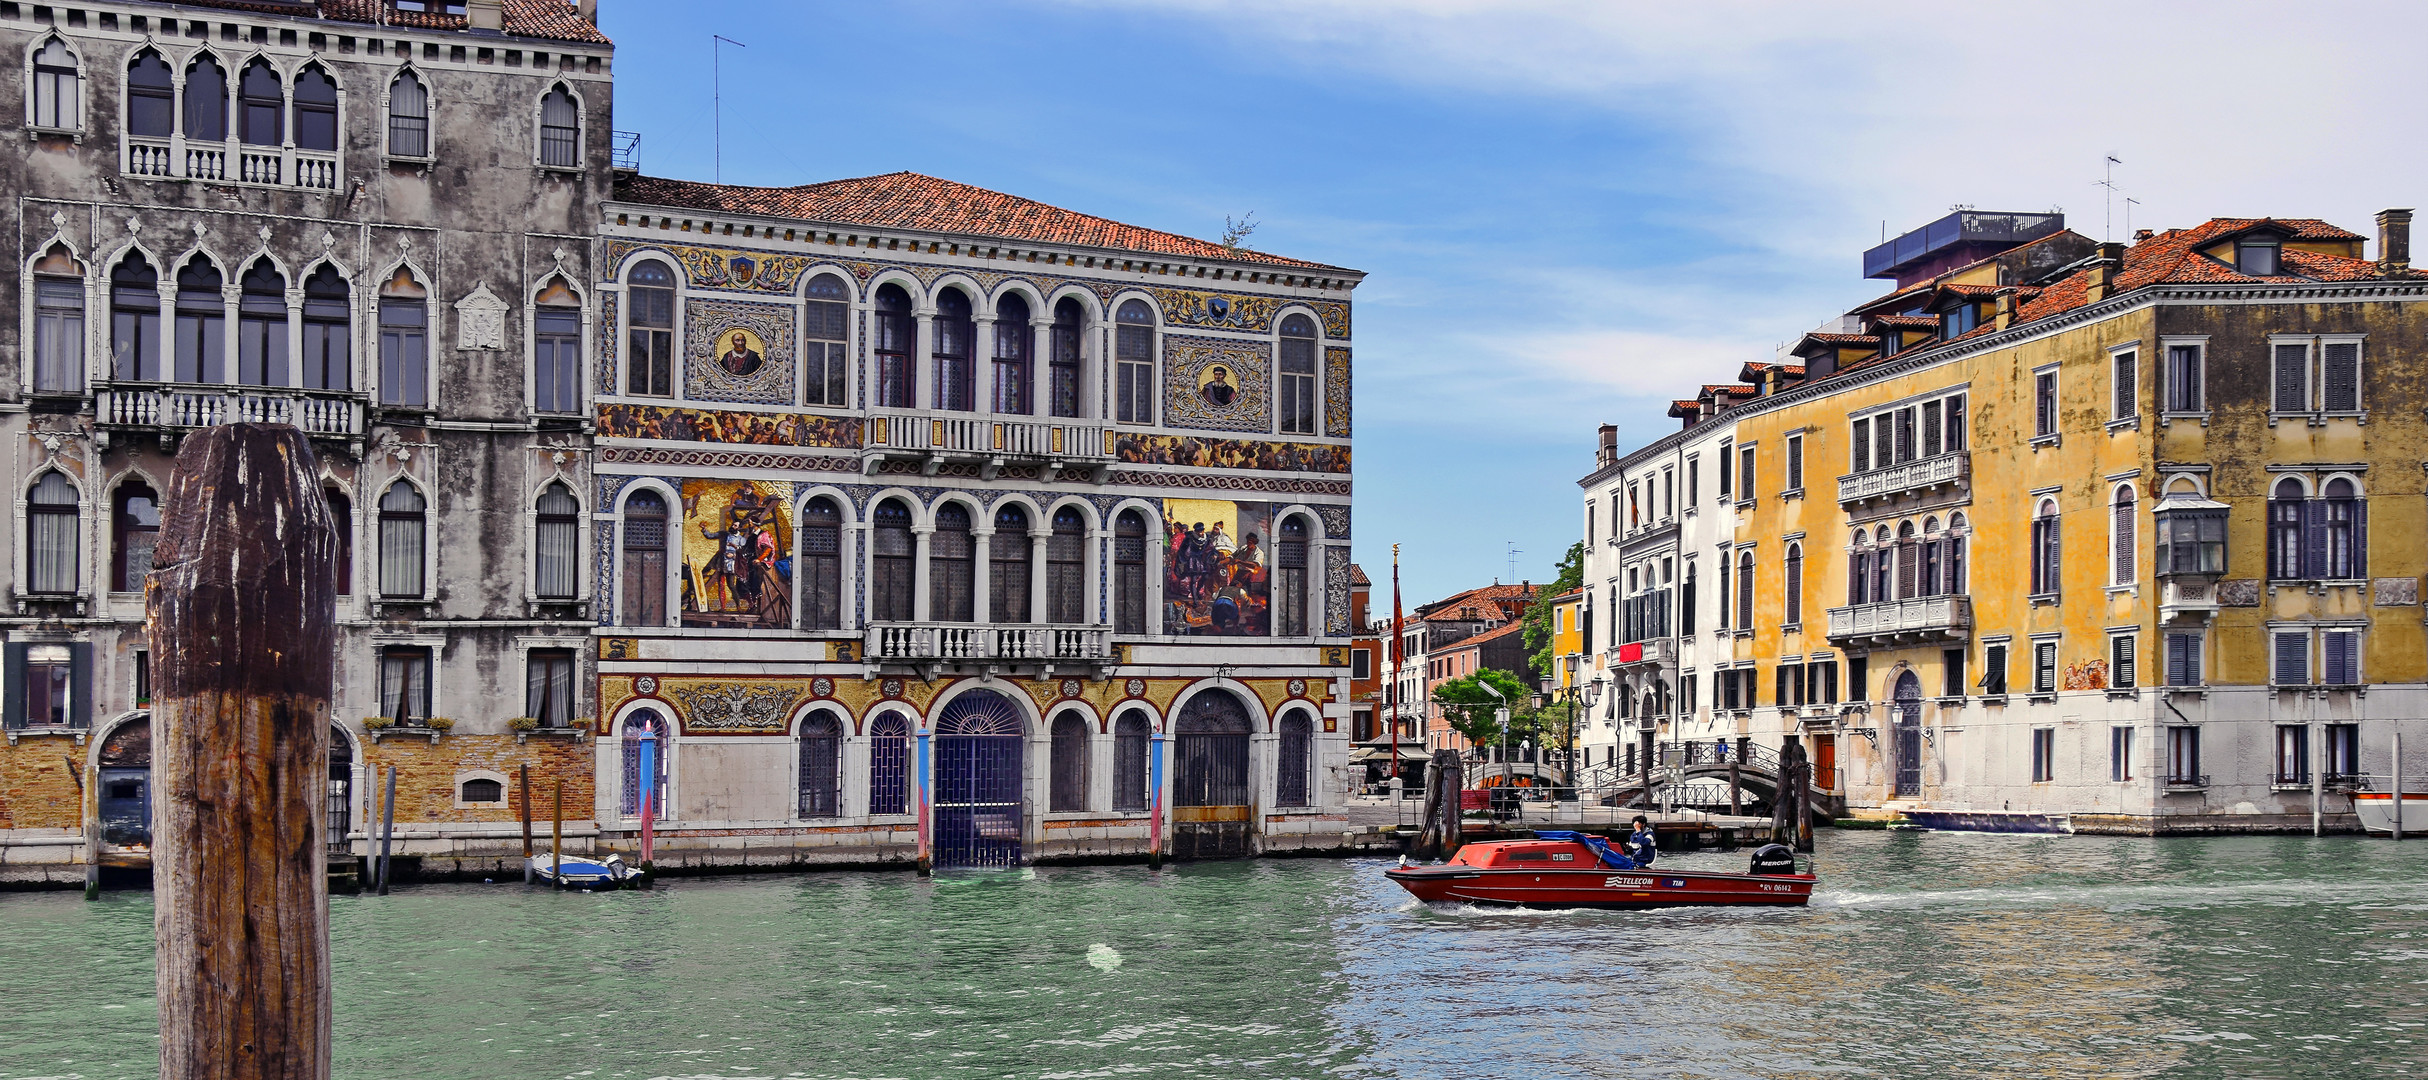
(80, 684)
(12, 686)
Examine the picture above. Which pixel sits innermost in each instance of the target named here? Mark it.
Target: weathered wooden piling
(1736, 804)
(242, 610)
(387, 834)
(92, 831)
(556, 839)
(526, 801)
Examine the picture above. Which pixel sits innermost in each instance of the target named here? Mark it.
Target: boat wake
(2126, 897)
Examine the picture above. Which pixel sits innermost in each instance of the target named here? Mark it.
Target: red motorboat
(1572, 870)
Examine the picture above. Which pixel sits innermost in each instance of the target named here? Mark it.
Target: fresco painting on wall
(1215, 576)
(737, 554)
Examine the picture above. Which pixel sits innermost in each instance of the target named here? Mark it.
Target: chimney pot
(2140, 235)
(486, 14)
(2394, 239)
(589, 10)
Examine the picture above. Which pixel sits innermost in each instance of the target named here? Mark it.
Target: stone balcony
(953, 644)
(1927, 618)
(330, 414)
(1659, 650)
(231, 162)
(2192, 594)
(934, 438)
(1914, 477)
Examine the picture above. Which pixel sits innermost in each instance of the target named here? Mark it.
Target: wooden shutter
(1932, 444)
(2340, 374)
(2183, 660)
(1863, 446)
(1993, 670)
(2044, 393)
(1795, 588)
(2121, 674)
(2343, 658)
(2124, 542)
(2360, 538)
(1745, 593)
(1786, 678)
(2292, 378)
(2314, 538)
(1904, 421)
(12, 715)
(1908, 566)
(2292, 665)
(2125, 386)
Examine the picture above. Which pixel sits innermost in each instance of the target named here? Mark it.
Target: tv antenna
(716, 99)
(2130, 203)
(2109, 182)
(1514, 552)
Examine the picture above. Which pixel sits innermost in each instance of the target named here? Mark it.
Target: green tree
(1538, 614)
(1469, 707)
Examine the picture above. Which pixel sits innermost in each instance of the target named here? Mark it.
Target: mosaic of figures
(1216, 582)
(737, 352)
(1217, 384)
(717, 426)
(1230, 453)
(737, 554)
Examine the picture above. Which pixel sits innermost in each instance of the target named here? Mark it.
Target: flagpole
(1392, 703)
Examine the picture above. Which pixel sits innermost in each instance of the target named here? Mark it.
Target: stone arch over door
(1907, 716)
(981, 798)
(1212, 783)
(125, 767)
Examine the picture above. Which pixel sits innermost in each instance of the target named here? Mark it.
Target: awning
(1410, 752)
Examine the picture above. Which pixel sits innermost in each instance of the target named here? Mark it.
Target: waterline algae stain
(1923, 955)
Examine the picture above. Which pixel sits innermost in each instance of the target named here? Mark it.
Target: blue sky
(1568, 213)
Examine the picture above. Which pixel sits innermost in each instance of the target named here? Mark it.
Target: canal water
(1922, 955)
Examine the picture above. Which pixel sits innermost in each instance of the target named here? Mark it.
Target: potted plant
(523, 723)
(378, 723)
(439, 724)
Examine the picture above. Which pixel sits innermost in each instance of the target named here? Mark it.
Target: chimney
(589, 10)
(486, 14)
(1610, 445)
(2002, 307)
(2107, 259)
(2140, 235)
(2394, 239)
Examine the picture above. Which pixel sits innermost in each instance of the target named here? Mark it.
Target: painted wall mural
(738, 352)
(1230, 453)
(717, 426)
(1217, 384)
(1216, 310)
(1216, 577)
(1336, 392)
(1335, 316)
(737, 554)
(608, 369)
(723, 268)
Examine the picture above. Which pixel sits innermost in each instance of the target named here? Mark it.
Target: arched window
(821, 565)
(404, 342)
(649, 306)
(897, 335)
(55, 87)
(2346, 518)
(1131, 736)
(1932, 566)
(59, 323)
(1859, 570)
(261, 327)
(408, 117)
(1066, 568)
(644, 583)
(263, 100)
(151, 97)
(341, 512)
(1745, 590)
(1007, 580)
(645, 722)
(1134, 363)
(1012, 338)
(1070, 763)
(52, 535)
(2123, 535)
(556, 349)
(1909, 562)
(1210, 755)
(1298, 395)
(951, 327)
(821, 765)
(202, 318)
(890, 557)
(1792, 601)
(315, 110)
(1290, 571)
(951, 566)
(2286, 506)
(556, 543)
(206, 100)
(827, 326)
(1884, 567)
(134, 527)
(328, 317)
(1069, 318)
(560, 130)
(402, 521)
(1293, 766)
(135, 320)
(2046, 550)
(1130, 573)
(889, 764)
(1955, 554)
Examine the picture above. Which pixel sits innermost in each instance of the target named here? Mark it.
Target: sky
(1568, 213)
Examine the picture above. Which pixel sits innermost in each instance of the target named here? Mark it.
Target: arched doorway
(1908, 718)
(1210, 808)
(126, 785)
(341, 788)
(650, 721)
(980, 764)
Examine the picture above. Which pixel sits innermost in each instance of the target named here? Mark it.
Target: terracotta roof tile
(556, 20)
(908, 200)
(1501, 631)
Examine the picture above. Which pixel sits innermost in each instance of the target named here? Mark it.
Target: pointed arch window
(1012, 339)
(328, 330)
(1130, 573)
(1290, 567)
(1066, 567)
(1007, 572)
(649, 318)
(891, 553)
(262, 98)
(201, 324)
(403, 525)
(404, 342)
(889, 739)
(821, 565)
(206, 100)
(59, 324)
(560, 130)
(951, 566)
(151, 97)
(408, 117)
(644, 577)
(827, 326)
(897, 335)
(134, 528)
(261, 327)
(1069, 318)
(341, 511)
(56, 87)
(821, 765)
(135, 320)
(556, 539)
(1131, 738)
(556, 349)
(315, 110)
(1069, 788)
(952, 371)
(1134, 362)
(1298, 396)
(53, 534)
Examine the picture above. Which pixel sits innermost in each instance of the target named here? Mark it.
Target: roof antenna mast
(716, 98)
(2109, 182)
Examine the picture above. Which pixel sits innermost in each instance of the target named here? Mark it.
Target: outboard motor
(1774, 859)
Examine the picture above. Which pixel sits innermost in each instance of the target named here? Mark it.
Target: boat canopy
(1610, 856)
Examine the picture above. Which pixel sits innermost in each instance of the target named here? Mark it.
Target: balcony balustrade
(1904, 478)
(1926, 617)
(1659, 650)
(2196, 595)
(936, 437)
(176, 158)
(317, 412)
(962, 643)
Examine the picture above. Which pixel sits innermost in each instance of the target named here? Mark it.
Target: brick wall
(426, 771)
(41, 786)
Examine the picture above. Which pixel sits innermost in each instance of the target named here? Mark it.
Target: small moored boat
(580, 870)
(1570, 870)
(2376, 810)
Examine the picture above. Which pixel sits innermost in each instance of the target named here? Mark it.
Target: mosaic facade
(1217, 383)
(738, 352)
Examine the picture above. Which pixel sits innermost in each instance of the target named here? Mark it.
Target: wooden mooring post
(526, 801)
(241, 600)
(387, 834)
(92, 831)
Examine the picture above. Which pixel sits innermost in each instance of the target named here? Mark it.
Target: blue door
(980, 763)
(126, 785)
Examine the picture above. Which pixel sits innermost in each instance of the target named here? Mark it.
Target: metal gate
(341, 790)
(979, 768)
(126, 785)
(1909, 735)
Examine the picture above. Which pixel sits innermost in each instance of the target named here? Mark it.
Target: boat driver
(1640, 843)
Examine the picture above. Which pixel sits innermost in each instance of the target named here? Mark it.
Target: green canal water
(1923, 955)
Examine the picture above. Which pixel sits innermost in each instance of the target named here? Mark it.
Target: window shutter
(1795, 463)
(2343, 658)
(2360, 538)
(1795, 589)
(2124, 386)
(1905, 434)
(2177, 646)
(80, 683)
(2124, 544)
(2340, 371)
(2292, 659)
(2051, 573)
(1931, 429)
(1786, 674)
(2121, 673)
(1863, 445)
(2044, 391)
(12, 715)
(2292, 378)
(2314, 538)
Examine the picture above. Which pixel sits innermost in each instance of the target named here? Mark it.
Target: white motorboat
(2376, 811)
(583, 870)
